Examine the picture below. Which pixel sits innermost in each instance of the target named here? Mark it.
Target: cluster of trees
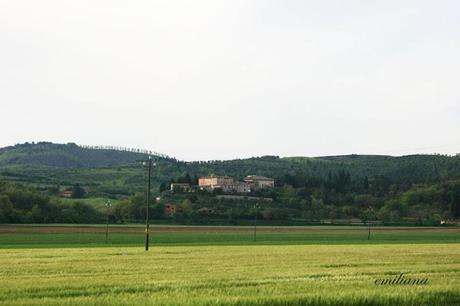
(185, 179)
(21, 204)
(296, 198)
(377, 198)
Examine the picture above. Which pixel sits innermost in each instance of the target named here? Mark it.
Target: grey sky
(226, 79)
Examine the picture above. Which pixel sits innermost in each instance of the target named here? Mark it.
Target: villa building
(225, 183)
(229, 185)
(215, 181)
(259, 182)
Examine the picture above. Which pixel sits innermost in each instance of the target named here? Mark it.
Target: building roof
(215, 176)
(258, 178)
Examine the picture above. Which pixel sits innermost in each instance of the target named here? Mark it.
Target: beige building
(226, 183)
(215, 181)
(259, 182)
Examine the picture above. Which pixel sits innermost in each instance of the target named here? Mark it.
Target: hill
(415, 189)
(63, 164)
(47, 154)
(412, 168)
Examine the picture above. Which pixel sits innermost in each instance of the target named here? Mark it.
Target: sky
(206, 80)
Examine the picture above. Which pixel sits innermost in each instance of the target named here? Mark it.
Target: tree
(86, 213)
(317, 207)
(157, 211)
(138, 206)
(36, 214)
(186, 206)
(454, 199)
(6, 209)
(386, 214)
(163, 187)
(368, 215)
(122, 211)
(78, 192)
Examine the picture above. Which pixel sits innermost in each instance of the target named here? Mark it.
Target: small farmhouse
(66, 194)
(169, 210)
(181, 187)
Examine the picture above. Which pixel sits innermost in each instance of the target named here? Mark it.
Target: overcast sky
(228, 79)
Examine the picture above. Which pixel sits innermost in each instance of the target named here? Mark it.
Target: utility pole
(147, 207)
(146, 231)
(255, 220)
(108, 205)
(368, 231)
(369, 224)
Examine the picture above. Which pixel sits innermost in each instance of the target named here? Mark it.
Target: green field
(94, 236)
(223, 266)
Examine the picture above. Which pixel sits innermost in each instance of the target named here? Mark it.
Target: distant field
(231, 275)
(14, 236)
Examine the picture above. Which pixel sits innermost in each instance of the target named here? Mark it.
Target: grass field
(222, 265)
(94, 236)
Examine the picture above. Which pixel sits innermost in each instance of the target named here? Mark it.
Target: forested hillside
(417, 189)
(63, 157)
(412, 168)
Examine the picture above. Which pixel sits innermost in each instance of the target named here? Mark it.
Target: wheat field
(230, 275)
